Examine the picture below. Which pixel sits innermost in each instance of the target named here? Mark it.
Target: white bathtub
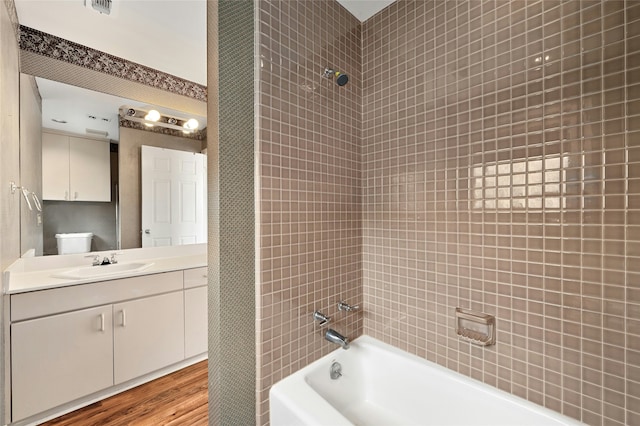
(382, 385)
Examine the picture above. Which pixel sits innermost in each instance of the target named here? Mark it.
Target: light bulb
(191, 124)
(152, 115)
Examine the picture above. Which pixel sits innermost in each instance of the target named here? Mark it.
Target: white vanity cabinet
(148, 335)
(70, 342)
(59, 358)
(195, 311)
(75, 169)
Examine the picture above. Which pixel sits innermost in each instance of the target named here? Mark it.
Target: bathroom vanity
(78, 334)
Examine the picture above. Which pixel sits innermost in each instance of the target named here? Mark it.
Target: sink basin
(103, 270)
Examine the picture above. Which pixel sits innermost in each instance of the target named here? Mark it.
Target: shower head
(341, 78)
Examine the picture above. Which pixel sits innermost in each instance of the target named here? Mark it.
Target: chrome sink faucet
(105, 260)
(334, 337)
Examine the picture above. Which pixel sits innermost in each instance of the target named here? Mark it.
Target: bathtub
(382, 385)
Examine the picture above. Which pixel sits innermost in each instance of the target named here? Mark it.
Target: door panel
(173, 197)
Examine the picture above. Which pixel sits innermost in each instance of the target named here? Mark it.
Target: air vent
(102, 6)
(95, 132)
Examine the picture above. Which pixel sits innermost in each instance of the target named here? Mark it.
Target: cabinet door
(55, 167)
(89, 170)
(195, 321)
(60, 358)
(148, 335)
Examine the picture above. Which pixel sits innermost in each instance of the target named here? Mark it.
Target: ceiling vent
(102, 6)
(95, 132)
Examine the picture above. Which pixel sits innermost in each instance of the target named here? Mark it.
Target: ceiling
(167, 35)
(364, 9)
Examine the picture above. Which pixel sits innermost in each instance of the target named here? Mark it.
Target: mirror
(87, 116)
(179, 27)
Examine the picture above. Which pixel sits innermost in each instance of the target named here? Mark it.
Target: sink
(103, 270)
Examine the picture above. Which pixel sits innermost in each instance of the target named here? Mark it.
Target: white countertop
(37, 273)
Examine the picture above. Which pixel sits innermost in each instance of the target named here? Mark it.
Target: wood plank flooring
(177, 399)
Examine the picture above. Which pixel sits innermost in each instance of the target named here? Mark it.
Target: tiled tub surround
(487, 154)
(309, 213)
(501, 172)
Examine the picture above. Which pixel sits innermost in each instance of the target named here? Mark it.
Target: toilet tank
(79, 242)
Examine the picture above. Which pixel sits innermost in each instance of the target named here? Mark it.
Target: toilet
(79, 242)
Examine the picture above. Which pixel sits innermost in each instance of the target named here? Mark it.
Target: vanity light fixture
(152, 118)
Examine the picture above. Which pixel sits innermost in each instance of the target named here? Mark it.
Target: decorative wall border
(51, 46)
(198, 135)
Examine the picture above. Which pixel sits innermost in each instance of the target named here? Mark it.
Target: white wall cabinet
(195, 312)
(75, 169)
(59, 358)
(64, 347)
(148, 335)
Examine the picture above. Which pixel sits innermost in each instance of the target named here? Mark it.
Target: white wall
(9, 161)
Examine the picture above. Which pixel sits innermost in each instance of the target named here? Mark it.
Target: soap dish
(476, 327)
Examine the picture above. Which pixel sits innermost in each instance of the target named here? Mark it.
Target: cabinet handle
(66, 195)
(101, 322)
(75, 195)
(124, 318)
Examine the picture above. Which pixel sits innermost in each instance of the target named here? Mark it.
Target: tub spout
(337, 338)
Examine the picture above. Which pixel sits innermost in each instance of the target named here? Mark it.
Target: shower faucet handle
(321, 318)
(344, 306)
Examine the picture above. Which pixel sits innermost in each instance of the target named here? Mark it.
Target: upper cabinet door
(55, 167)
(75, 169)
(89, 170)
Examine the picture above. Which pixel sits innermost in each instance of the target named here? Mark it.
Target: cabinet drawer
(196, 277)
(57, 300)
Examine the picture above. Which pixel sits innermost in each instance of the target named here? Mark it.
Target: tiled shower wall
(501, 173)
(308, 172)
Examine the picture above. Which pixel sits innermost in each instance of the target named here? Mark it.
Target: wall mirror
(91, 104)
(86, 116)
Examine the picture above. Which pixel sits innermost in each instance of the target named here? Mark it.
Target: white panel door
(148, 335)
(59, 358)
(173, 197)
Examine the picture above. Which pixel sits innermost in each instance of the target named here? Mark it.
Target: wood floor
(177, 399)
